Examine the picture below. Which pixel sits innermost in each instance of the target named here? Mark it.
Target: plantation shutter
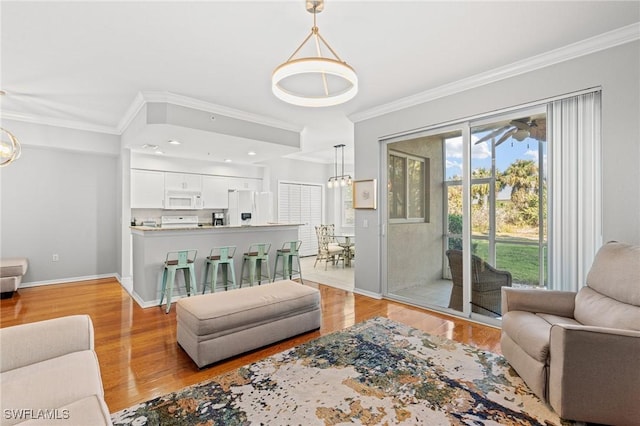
(301, 203)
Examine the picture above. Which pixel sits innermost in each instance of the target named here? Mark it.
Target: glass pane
(509, 201)
(397, 187)
(454, 216)
(453, 159)
(349, 214)
(415, 200)
(453, 175)
(480, 209)
(417, 269)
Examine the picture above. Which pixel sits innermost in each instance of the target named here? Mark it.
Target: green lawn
(521, 260)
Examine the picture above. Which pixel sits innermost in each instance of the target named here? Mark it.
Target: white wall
(60, 201)
(616, 70)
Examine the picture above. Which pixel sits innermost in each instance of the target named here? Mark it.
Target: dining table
(346, 241)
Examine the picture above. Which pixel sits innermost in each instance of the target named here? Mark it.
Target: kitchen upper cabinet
(215, 192)
(147, 189)
(245, 183)
(186, 181)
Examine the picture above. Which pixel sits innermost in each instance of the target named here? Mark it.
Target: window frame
(407, 188)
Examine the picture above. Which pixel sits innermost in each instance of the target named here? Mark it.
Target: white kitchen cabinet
(186, 181)
(245, 183)
(215, 192)
(147, 189)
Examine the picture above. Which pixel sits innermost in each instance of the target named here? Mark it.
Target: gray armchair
(580, 352)
(485, 286)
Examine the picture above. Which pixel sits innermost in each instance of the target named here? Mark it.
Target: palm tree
(480, 191)
(521, 176)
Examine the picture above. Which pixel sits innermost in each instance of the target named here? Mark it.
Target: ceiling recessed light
(159, 152)
(149, 146)
(227, 160)
(251, 153)
(174, 142)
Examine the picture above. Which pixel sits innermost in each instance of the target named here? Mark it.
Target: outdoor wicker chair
(485, 287)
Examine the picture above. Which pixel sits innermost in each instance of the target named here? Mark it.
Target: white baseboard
(152, 303)
(67, 280)
(367, 293)
(126, 283)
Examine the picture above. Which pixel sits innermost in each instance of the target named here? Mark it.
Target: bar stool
(289, 251)
(182, 259)
(220, 256)
(257, 254)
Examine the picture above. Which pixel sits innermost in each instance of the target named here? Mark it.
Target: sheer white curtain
(575, 199)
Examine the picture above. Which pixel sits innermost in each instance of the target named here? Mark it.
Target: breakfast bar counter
(151, 244)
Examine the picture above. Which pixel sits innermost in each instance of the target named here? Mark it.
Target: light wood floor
(137, 350)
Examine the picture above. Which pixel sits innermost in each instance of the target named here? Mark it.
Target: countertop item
(181, 222)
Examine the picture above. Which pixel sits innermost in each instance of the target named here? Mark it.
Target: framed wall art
(364, 194)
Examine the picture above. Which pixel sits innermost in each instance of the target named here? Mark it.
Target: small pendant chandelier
(339, 180)
(314, 81)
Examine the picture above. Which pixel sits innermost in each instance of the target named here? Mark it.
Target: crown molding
(140, 100)
(588, 46)
(171, 98)
(57, 122)
(131, 112)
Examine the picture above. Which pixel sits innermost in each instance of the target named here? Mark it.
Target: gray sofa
(580, 352)
(49, 374)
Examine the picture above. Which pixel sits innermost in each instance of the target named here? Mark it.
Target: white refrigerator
(250, 208)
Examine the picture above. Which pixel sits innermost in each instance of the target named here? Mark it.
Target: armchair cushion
(530, 332)
(616, 273)
(52, 383)
(594, 308)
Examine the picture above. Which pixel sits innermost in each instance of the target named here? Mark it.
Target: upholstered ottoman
(215, 326)
(11, 272)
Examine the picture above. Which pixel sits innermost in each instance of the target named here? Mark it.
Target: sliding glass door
(467, 213)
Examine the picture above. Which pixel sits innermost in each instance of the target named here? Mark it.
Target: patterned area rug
(377, 372)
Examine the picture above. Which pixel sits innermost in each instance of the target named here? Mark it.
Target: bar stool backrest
(181, 258)
(259, 249)
(222, 253)
(292, 247)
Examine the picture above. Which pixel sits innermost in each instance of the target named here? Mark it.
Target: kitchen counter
(208, 227)
(151, 244)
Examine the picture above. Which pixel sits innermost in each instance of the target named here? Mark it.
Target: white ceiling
(83, 63)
